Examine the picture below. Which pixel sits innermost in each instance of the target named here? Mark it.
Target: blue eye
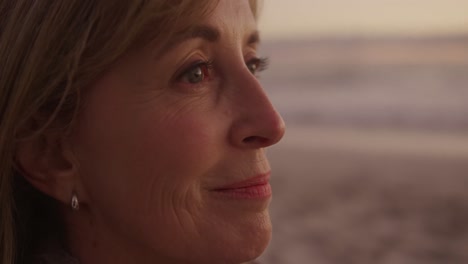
(257, 65)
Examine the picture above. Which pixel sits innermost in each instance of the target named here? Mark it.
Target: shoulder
(48, 258)
(53, 254)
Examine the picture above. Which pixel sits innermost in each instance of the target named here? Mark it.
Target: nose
(257, 123)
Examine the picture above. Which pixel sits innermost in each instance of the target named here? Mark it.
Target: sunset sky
(309, 18)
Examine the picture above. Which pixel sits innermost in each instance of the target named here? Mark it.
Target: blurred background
(374, 164)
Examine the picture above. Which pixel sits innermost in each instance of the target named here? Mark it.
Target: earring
(75, 204)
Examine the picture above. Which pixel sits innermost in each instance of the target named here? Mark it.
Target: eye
(197, 73)
(257, 65)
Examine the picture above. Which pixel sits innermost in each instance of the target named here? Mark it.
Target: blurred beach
(374, 164)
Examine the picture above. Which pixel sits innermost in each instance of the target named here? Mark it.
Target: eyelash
(261, 63)
(206, 67)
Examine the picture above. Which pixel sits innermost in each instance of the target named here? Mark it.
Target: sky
(311, 18)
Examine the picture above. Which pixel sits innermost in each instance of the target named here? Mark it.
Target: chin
(249, 244)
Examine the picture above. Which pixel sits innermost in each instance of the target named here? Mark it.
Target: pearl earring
(75, 204)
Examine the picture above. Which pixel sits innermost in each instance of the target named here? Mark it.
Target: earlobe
(48, 164)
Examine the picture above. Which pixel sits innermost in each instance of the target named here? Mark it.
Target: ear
(47, 162)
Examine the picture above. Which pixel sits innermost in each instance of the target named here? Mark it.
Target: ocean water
(398, 83)
(373, 168)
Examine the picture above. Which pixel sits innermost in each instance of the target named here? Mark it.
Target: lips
(256, 187)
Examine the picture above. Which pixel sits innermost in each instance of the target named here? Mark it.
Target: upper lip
(259, 179)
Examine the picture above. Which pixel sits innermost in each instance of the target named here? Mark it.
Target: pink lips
(254, 188)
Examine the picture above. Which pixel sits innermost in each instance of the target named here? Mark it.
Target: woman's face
(166, 141)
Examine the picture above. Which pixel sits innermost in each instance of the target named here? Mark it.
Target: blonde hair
(50, 51)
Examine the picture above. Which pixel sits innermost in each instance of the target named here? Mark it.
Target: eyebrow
(204, 32)
(207, 33)
(254, 38)
(211, 34)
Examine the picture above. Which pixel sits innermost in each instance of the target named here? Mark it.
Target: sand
(374, 164)
(369, 196)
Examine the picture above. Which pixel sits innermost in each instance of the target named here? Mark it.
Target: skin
(151, 146)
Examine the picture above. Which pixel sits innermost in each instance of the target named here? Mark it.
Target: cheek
(172, 159)
(128, 144)
(147, 163)
(182, 143)
(179, 146)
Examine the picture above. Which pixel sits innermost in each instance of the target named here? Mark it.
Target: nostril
(249, 139)
(255, 139)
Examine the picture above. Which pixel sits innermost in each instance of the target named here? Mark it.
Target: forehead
(230, 21)
(232, 17)
(233, 9)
